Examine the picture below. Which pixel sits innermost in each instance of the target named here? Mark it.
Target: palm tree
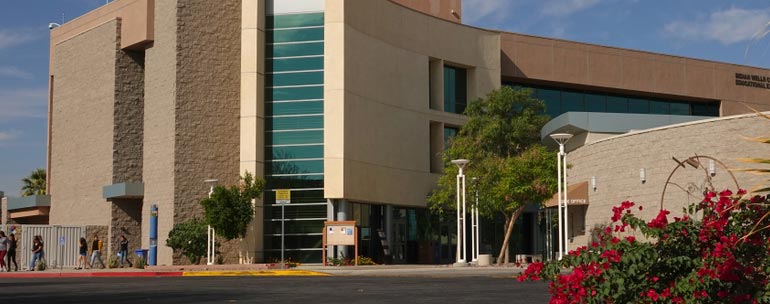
(34, 184)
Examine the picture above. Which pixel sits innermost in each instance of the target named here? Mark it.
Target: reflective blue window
(455, 89)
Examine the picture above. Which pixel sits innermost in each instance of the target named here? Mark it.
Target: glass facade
(294, 134)
(455, 89)
(559, 101)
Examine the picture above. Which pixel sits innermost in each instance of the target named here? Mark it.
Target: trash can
(141, 254)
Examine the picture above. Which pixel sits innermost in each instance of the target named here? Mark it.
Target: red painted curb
(31, 275)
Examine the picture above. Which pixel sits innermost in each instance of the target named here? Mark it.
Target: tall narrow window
(455, 89)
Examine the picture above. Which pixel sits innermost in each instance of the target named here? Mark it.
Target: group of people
(8, 246)
(8, 250)
(96, 253)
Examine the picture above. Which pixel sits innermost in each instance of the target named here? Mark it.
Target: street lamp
(460, 214)
(562, 138)
(475, 238)
(211, 234)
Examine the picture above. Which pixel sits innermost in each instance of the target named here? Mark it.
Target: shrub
(140, 263)
(112, 262)
(721, 258)
(190, 238)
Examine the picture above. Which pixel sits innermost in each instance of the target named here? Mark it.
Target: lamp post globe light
(561, 139)
(460, 163)
(211, 234)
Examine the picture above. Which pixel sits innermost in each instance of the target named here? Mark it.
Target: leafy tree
(34, 184)
(501, 140)
(189, 237)
(230, 210)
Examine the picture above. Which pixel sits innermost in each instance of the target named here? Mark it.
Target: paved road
(297, 290)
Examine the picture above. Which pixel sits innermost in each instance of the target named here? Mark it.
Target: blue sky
(706, 29)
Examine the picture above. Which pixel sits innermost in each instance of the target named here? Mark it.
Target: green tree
(230, 210)
(190, 238)
(501, 140)
(34, 184)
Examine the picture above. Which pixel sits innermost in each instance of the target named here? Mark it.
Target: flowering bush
(717, 252)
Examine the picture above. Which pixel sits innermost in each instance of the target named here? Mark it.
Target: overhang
(123, 190)
(25, 202)
(577, 195)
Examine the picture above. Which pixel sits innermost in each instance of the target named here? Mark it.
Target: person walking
(96, 249)
(123, 252)
(37, 252)
(3, 250)
(83, 255)
(12, 253)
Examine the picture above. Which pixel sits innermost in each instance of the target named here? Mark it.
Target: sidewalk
(426, 271)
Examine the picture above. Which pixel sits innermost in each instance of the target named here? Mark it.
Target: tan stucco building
(347, 103)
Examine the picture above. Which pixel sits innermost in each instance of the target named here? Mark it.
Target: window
(455, 89)
(449, 133)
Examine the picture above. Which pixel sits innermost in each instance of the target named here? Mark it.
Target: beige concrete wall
(446, 9)
(376, 113)
(160, 86)
(81, 126)
(252, 130)
(616, 163)
(531, 58)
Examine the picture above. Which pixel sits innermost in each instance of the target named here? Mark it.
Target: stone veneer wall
(616, 163)
(207, 104)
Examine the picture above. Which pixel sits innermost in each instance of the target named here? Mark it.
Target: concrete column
(343, 210)
(329, 217)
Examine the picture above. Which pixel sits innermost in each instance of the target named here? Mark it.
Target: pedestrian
(12, 252)
(96, 252)
(37, 252)
(3, 250)
(123, 252)
(83, 257)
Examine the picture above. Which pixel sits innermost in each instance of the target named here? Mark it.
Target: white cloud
(475, 10)
(566, 7)
(23, 103)
(9, 135)
(10, 38)
(14, 72)
(726, 27)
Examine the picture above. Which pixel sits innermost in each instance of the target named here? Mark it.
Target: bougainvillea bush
(717, 251)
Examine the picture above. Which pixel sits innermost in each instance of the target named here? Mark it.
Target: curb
(260, 273)
(89, 275)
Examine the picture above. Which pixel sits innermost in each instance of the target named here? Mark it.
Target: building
(346, 103)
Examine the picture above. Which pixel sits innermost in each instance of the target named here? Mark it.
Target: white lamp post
(460, 212)
(475, 223)
(211, 234)
(562, 138)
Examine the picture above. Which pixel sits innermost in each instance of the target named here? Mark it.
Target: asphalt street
(297, 290)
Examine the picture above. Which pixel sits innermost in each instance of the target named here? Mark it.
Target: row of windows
(294, 123)
(560, 101)
(295, 35)
(455, 89)
(295, 167)
(295, 108)
(290, 79)
(295, 138)
(295, 152)
(294, 50)
(278, 65)
(295, 93)
(294, 20)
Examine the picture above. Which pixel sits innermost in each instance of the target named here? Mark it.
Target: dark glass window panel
(296, 212)
(680, 108)
(293, 108)
(297, 241)
(659, 107)
(294, 138)
(297, 93)
(297, 197)
(295, 182)
(552, 99)
(455, 90)
(295, 167)
(295, 64)
(638, 106)
(289, 79)
(705, 109)
(302, 256)
(294, 20)
(596, 103)
(449, 132)
(295, 152)
(295, 35)
(572, 102)
(299, 49)
(294, 123)
(616, 104)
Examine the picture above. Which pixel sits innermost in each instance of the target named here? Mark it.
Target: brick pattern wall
(207, 103)
(616, 163)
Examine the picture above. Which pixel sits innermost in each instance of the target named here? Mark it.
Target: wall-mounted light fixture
(712, 168)
(642, 175)
(593, 182)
